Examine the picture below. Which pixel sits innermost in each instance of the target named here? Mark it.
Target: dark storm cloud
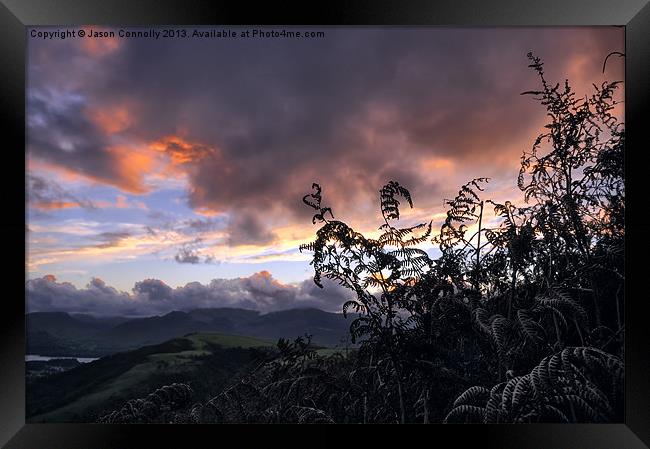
(349, 111)
(259, 291)
(246, 228)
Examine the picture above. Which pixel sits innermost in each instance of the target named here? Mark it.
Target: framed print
(373, 214)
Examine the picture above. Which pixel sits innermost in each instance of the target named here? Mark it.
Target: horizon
(130, 317)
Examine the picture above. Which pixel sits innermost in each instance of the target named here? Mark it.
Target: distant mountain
(63, 334)
(152, 330)
(327, 328)
(101, 321)
(227, 315)
(64, 325)
(58, 333)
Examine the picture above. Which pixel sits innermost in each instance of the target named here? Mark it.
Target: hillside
(207, 361)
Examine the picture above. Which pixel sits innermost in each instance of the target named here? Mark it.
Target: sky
(167, 174)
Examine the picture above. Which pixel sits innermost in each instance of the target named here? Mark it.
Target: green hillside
(207, 361)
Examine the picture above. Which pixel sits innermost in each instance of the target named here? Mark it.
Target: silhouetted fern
(576, 385)
(153, 407)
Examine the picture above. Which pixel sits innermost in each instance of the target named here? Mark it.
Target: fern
(579, 384)
(389, 202)
(153, 407)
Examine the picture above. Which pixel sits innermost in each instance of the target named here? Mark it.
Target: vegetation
(165, 399)
(519, 320)
(205, 361)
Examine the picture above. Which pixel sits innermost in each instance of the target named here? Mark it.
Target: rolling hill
(207, 361)
(62, 334)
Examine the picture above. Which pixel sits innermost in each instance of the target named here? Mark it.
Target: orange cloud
(66, 174)
(578, 69)
(167, 157)
(264, 277)
(55, 205)
(436, 164)
(132, 165)
(181, 151)
(205, 212)
(112, 119)
(99, 46)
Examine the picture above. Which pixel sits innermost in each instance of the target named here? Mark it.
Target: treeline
(518, 321)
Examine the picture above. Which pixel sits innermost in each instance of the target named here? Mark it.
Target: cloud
(111, 120)
(111, 239)
(189, 253)
(247, 228)
(259, 291)
(181, 151)
(46, 294)
(122, 202)
(200, 225)
(250, 124)
(44, 195)
(59, 133)
(153, 290)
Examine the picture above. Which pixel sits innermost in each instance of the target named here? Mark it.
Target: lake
(45, 358)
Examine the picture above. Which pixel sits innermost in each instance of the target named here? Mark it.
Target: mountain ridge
(62, 333)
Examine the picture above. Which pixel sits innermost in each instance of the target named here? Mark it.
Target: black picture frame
(16, 15)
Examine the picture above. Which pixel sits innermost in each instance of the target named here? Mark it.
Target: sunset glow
(186, 160)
